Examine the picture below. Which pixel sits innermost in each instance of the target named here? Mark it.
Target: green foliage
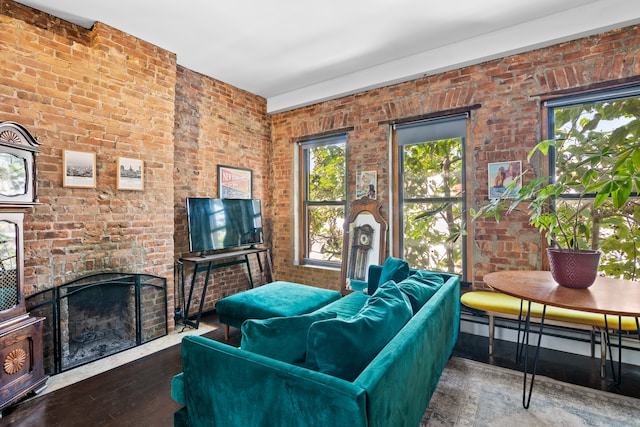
(432, 210)
(592, 202)
(327, 173)
(326, 186)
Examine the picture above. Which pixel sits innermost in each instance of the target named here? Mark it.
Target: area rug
(475, 394)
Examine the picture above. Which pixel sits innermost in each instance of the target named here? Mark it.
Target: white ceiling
(298, 52)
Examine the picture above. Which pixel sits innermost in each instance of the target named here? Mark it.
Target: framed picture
(366, 185)
(79, 169)
(501, 177)
(235, 183)
(130, 174)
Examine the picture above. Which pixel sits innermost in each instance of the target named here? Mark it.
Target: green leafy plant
(596, 181)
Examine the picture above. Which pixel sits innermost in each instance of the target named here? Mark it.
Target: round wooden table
(607, 296)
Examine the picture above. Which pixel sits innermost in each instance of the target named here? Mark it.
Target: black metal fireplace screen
(99, 315)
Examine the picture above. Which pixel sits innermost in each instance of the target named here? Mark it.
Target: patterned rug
(475, 394)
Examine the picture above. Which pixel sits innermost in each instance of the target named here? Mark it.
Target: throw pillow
(420, 287)
(394, 269)
(281, 338)
(344, 347)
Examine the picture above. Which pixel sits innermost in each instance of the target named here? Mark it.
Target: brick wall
(106, 92)
(217, 124)
(99, 91)
(505, 127)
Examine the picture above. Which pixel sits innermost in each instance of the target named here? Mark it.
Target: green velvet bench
(276, 299)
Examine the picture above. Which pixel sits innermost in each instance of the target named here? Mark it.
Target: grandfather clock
(362, 244)
(21, 367)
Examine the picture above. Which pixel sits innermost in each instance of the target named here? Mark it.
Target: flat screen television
(216, 224)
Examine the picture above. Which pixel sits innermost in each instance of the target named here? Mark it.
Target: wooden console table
(606, 296)
(207, 263)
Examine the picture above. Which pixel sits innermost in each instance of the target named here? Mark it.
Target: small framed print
(79, 169)
(505, 179)
(130, 174)
(366, 185)
(235, 183)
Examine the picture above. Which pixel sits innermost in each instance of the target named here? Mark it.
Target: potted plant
(598, 181)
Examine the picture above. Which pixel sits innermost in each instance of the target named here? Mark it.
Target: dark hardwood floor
(138, 394)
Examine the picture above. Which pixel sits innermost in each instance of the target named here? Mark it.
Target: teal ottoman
(276, 299)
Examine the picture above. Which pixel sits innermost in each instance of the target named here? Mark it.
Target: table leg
(518, 346)
(204, 294)
(246, 259)
(526, 399)
(187, 307)
(603, 353)
(616, 378)
(492, 329)
(270, 265)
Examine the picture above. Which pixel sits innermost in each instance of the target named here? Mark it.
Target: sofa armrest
(225, 385)
(358, 285)
(413, 360)
(375, 271)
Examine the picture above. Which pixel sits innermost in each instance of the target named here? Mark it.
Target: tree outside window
(324, 199)
(432, 205)
(605, 127)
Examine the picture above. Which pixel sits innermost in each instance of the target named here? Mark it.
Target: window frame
(549, 131)
(302, 209)
(397, 165)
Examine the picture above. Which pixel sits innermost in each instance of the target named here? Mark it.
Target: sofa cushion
(177, 389)
(344, 347)
(281, 338)
(419, 287)
(394, 269)
(347, 306)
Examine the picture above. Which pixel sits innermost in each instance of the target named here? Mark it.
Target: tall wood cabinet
(21, 367)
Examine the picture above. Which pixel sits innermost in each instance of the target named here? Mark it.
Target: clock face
(364, 239)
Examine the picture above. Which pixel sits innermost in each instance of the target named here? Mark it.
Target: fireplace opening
(99, 315)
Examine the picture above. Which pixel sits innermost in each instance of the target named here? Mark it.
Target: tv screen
(216, 224)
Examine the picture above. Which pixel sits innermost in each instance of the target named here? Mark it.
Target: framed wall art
(130, 174)
(501, 177)
(79, 169)
(235, 183)
(366, 185)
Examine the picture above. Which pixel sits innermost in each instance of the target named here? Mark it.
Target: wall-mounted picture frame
(79, 169)
(235, 183)
(501, 175)
(130, 174)
(367, 184)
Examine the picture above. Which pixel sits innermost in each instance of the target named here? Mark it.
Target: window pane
(432, 205)
(324, 199)
(589, 128)
(327, 173)
(432, 169)
(616, 236)
(325, 233)
(600, 127)
(431, 243)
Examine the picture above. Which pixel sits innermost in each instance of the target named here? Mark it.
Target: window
(324, 195)
(430, 189)
(602, 122)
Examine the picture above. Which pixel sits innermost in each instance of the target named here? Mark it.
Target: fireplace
(99, 315)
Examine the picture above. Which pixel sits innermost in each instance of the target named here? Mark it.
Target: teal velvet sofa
(222, 385)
